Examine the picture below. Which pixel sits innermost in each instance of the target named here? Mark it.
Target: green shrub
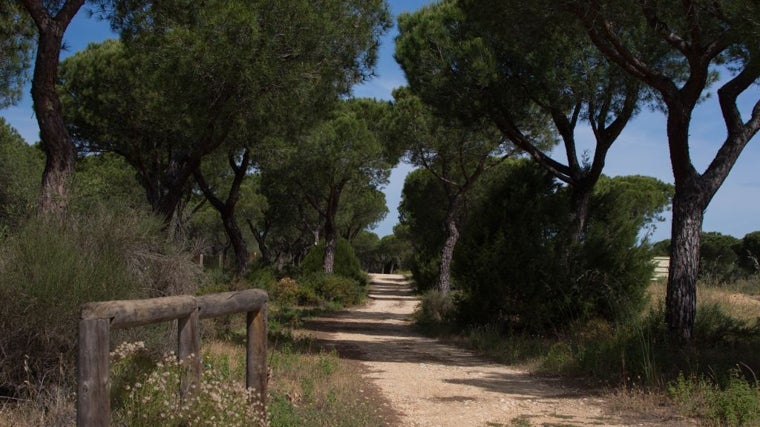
(422, 213)
(425, 269)
(333, 288)
(286, 291)
(748, 252)
(737, 403)
(435, 309)
(262, 277)
(50, 267)
(346, 262)
(519, 269)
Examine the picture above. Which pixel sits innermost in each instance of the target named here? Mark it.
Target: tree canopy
(696, 38)
(195, 80)
(16, 46)
(340, 153)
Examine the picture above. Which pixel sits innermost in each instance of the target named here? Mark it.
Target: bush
(262, 278)
(49, 268)
(422, 213)
(332, 288)
(152, 398)
(737, 403)
(519, 270)
(285, 291)
(748, 252)
(718, 261)
(425, 269)
(347, 264)
(435, 309)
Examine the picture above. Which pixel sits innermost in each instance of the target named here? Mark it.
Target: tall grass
(48, 268)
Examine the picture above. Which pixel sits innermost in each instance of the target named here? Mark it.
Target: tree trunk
(178, 175)
(226, 209)
(59, 149)
(261, 239)
(581, 199)
(331, 230)
(447, 253)
(237, 241)
(681, 299)
(331, 243)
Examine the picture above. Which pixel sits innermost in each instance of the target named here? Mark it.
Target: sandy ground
(432, 384)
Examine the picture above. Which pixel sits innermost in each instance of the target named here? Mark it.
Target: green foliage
(718, 261)
(49, 269)
(640, 352)
(661, 248)
(317, 389)
(749, 252)
(422, 212)
(360, 209)
(395, 252)
(386, 255)
(260, 70)
(346, 262)
(507, 349)
(513, 265)
(20, 170)
(331, 288)
(107, 179)
(16, 49)
(435, 310)
(505, 260)
(737, 403)
(154, 399)
(262, 277)
(285, 291)
(366, 247)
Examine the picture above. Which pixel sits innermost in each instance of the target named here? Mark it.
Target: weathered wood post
(256, 375)
(94, 388)
(97, 319)
(189, 352)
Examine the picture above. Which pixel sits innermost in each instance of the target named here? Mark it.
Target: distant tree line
(723, 259)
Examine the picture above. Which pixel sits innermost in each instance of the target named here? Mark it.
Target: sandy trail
(433, 384)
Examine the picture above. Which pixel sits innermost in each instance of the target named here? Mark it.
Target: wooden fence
(97, 319)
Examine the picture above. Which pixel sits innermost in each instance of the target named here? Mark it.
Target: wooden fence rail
(98, 318)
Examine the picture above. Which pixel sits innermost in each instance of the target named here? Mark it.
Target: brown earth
(428, 383)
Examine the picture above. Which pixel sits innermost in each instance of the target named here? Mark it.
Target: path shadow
(368, 335)
(391, 292)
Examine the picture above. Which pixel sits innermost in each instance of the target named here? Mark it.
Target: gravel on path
(433, 384)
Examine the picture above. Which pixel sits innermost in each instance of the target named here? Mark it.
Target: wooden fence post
(94, 388)
(97, 319)
(188, 351)
(256, 352)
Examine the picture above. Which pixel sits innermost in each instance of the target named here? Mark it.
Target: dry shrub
(50, 267)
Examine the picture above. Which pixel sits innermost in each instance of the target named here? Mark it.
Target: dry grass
(645, 405)
(56, 408)
(741, 306)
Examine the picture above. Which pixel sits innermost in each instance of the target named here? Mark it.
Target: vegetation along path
(432, 384)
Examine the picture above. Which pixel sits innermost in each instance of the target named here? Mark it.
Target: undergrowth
(713, 379)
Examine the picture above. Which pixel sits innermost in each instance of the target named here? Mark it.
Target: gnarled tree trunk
(59, 148)
(452, 237)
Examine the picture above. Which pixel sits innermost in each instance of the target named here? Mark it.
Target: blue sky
(641, 149)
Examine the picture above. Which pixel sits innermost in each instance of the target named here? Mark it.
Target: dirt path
(432, 384)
